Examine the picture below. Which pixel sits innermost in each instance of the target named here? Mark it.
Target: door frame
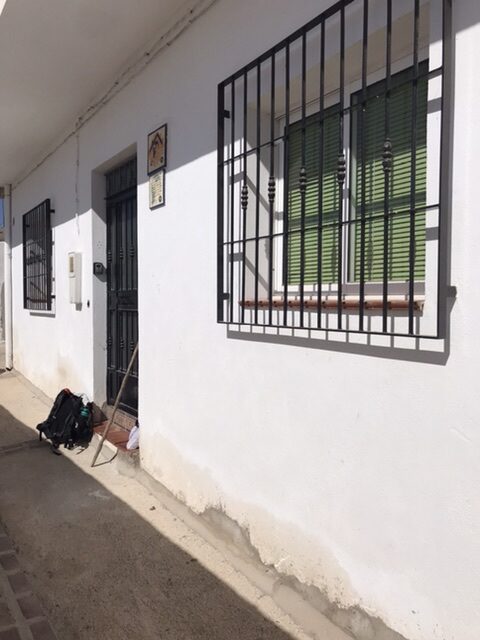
(98, 298)
(122, 282)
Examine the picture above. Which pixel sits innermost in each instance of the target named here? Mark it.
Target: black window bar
(37, 258)
(331, 175)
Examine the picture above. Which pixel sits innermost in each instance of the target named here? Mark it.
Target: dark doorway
(122, 283)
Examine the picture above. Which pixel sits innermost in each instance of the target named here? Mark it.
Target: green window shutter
(401, 139)
(329, 199)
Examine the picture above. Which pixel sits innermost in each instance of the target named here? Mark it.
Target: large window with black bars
(331, 175)
(37, 258)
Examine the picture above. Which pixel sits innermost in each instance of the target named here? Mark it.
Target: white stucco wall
(53, 348)
(2, 288)
(353, 468)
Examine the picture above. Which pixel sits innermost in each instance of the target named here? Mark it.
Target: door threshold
(122, 419)
(117, 436)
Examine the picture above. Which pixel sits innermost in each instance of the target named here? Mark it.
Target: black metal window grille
(37, 258)
(331, 153)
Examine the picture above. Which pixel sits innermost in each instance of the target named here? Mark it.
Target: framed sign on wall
(156, 189)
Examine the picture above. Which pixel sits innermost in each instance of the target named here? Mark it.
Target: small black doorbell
(98, 269)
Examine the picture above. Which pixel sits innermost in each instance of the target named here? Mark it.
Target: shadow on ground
(99, 568)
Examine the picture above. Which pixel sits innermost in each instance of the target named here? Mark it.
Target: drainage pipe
(8, 307)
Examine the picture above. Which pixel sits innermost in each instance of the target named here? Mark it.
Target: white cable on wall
(179, 25)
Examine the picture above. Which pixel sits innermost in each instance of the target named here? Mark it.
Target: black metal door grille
(332, 169)
(122, 282)
(37, 258)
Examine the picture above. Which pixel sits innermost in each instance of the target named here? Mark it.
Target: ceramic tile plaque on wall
(157, 150)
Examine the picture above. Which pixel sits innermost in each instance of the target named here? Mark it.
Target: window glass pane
(400, 109)
(317, 137)
(400, 105)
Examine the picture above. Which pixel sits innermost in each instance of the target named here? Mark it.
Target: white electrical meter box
(75, 277)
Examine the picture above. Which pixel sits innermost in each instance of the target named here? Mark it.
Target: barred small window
(332, 175)
(37, 258)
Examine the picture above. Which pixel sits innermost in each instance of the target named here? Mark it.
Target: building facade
(336, 425)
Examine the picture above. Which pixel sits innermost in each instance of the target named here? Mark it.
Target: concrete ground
(106, 558)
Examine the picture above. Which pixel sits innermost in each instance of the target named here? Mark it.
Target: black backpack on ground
(69, 421)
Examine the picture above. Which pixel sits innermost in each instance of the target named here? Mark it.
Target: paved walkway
(21, 614)
(107, 559)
